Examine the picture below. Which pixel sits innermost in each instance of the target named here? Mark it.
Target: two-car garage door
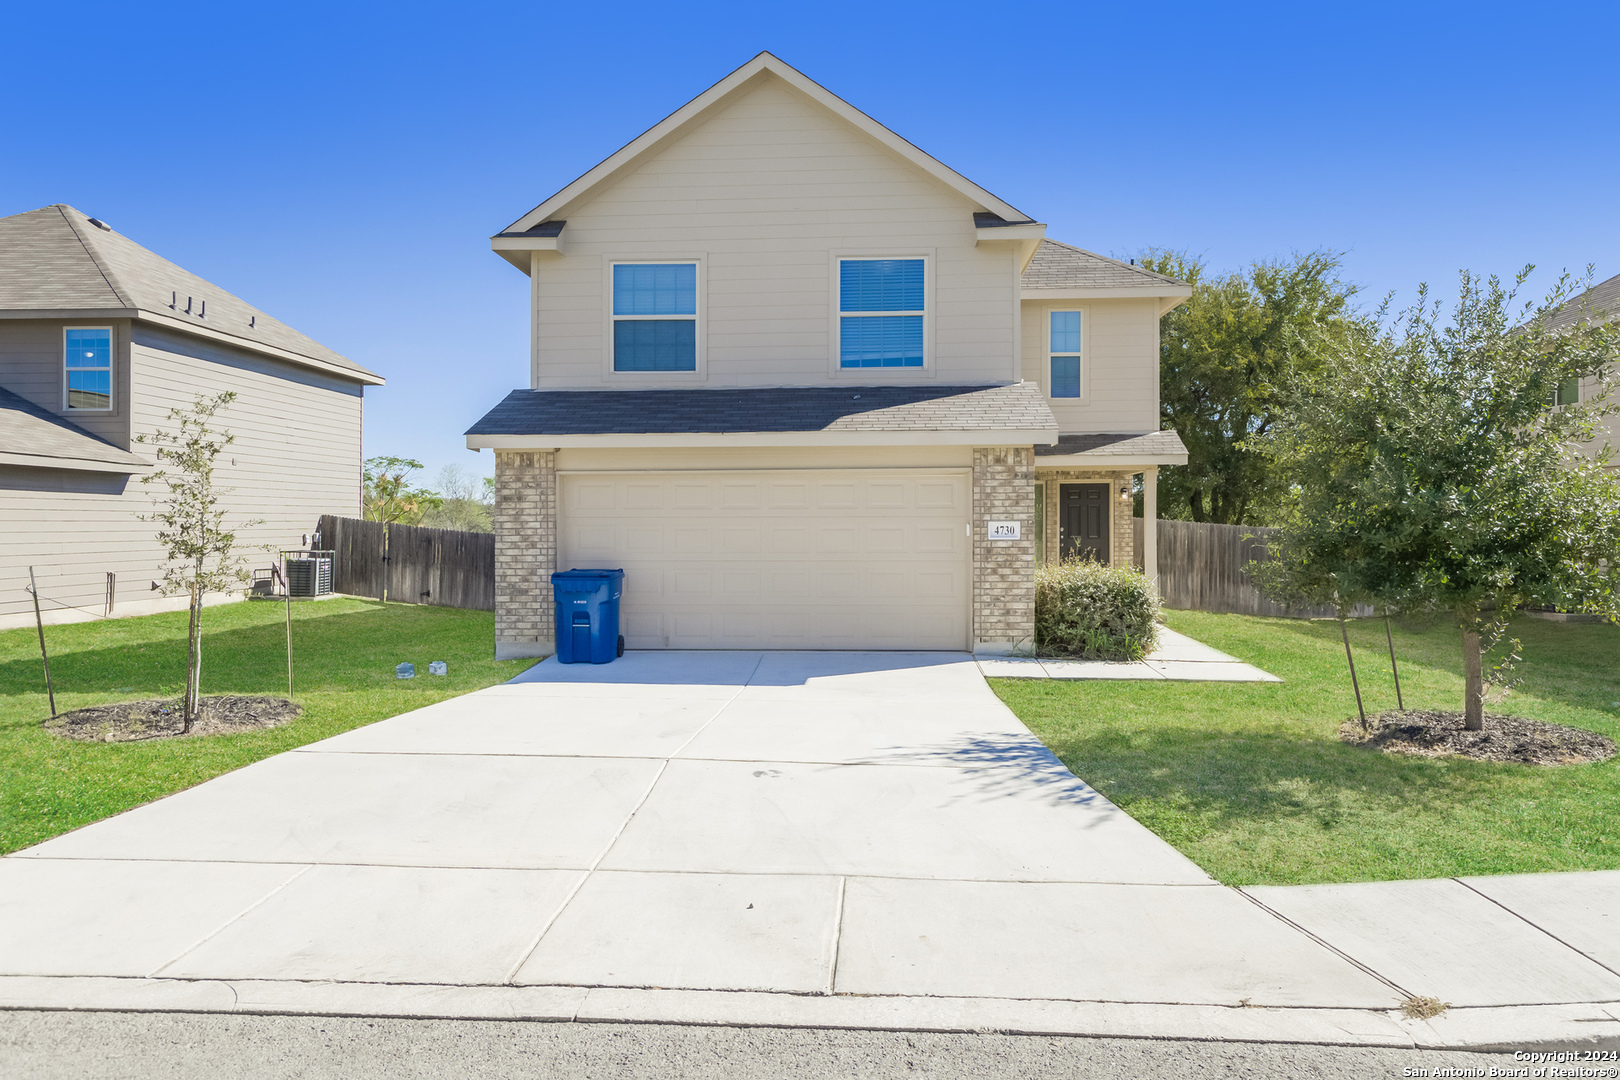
(781, 559)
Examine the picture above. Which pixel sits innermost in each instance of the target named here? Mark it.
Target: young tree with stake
(1429, 469)
(191, 523)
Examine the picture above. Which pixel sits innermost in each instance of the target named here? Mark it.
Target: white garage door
(847, 559)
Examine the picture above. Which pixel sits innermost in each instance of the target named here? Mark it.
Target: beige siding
(31, 367)
(767, 192)
(1119, 366)
(296, 456)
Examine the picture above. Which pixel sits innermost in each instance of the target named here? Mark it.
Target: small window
(881, 306)
(87, 367)
(1568, 392)
(655, 317)
(1065, 354)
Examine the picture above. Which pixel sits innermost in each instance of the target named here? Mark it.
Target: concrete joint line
(234, 918)
(1329, 946)
(625, 824)
(837, 937)
(584, 877)
(1543, 929)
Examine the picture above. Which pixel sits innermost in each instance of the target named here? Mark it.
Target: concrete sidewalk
(1178, 658)
(790, 839)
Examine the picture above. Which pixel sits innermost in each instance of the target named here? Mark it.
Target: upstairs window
(881, 307)
(1065, 354)
(87, 368)
(1568, 392)
(655, 317)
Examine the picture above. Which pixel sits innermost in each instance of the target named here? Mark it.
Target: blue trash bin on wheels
(588, 615)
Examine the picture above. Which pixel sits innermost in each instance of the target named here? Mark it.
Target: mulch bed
(1505, 738)
(137, 721)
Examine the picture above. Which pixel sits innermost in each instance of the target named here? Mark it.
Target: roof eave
(1097, 459)
(355, 374)
(1178, 293)
(75, 464)
(653, 440)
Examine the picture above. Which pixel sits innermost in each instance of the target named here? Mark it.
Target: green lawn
(344, 652)
(1251, 782)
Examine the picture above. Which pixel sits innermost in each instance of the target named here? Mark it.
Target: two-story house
(1599, 303)
(99, 339)
(812, 388)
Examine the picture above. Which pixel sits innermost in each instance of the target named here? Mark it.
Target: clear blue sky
(342, 166)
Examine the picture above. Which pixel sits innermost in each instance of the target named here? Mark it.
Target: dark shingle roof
(1019, 406)
(56, 259)
(1600, 302)
(1063, 266)
(28, 430)
(1155, 443)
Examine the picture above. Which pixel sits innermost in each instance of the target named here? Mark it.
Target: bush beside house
(1083, 608)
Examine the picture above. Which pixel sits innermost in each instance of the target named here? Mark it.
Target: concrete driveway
(828, 839)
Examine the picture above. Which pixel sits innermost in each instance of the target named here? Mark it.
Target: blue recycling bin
(588, 615)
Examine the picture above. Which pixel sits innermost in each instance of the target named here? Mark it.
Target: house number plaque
(1004, 530)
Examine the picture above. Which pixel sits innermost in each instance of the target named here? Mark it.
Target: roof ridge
(107, 275)
(1116, 262)
(764, 62)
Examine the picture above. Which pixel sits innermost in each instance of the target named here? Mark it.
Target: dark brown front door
(1083, 521)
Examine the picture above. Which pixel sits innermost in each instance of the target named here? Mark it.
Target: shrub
(1084, 608)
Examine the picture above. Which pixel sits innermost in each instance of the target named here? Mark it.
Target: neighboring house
(99, 339)
(812, 388)
(1600, 302)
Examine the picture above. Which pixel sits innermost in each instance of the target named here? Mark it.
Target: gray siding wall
(296, 456)
(31, 367)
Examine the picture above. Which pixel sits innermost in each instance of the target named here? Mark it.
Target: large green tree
(1229, 359)
(1429, 470)
(390, 492)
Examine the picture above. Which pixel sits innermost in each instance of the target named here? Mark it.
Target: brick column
(525, 551)
(1003, 570)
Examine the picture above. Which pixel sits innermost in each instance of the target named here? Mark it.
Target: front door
(1083, 521)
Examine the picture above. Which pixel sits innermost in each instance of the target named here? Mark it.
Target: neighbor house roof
(30, 435)
(760, 66)
(1064, 266)
(1601, 302)
(56, 261)
(845, 414)
(1154, 447)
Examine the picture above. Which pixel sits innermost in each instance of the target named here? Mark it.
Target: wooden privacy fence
(1204, 567)
(411, 564)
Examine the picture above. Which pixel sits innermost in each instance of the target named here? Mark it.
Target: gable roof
(1064, 266)
(57, 260)
(30, 435)
(1601, 301)
(856, 414)
(693, 111)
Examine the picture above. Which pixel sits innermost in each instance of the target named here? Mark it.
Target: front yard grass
(344, 652)
(1251, 782)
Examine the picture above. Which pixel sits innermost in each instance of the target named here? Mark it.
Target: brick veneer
(1121, 533)
(525, 551)
(1003, 570)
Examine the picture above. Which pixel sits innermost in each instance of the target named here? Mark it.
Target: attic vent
(98, 223)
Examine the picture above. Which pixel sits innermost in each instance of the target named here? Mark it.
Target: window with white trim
(655, 316)
(1568, 392)
(882, 304)
(87, 368)
(1064, 354)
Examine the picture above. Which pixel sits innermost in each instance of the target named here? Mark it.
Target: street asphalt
(181, 1046)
